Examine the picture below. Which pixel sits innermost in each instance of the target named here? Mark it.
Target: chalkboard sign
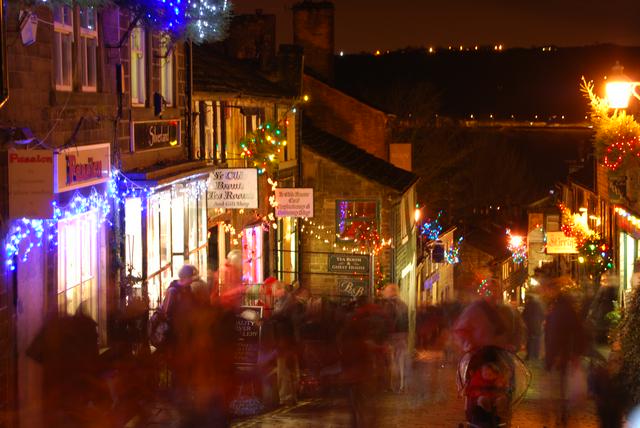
(248, 330)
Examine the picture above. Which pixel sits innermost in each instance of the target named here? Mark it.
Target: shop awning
(169, 174)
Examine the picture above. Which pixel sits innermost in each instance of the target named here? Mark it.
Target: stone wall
(332, 182)
(345, 117)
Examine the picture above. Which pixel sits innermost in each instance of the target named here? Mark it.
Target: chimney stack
(313, 30)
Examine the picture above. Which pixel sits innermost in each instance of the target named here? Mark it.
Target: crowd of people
(314, 344)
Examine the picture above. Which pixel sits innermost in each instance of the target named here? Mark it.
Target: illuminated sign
(559, 243)
(81, 166)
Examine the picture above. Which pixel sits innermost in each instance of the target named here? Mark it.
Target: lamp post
(620, 88)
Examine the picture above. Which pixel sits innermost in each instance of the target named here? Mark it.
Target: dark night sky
(367, 25)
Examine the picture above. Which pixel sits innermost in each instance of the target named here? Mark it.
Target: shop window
(63, 46)
(166, 70)
(354, 219)
(252, 255)
(553, 223)
(133, 236)
(88, 49)
(138, 67)
(77, 265)
(159, 272)
(287, 249)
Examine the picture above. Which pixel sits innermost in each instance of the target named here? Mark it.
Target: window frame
(140, 70)
(61, 31)
(85, 35)
(167, 70)
(376, 219)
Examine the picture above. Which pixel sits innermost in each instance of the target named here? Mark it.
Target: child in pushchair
(487, 380)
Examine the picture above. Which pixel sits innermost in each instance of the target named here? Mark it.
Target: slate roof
(212, 72)
(355, 159)
(492, 242)
(586, 175)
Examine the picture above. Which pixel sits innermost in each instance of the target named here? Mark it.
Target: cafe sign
(30, 182)
(81, 166)
(348, 263)
(294, 202)
(559, 243)
(159, 134)
(233, 188)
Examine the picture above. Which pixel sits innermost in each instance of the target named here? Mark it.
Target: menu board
(248, 332)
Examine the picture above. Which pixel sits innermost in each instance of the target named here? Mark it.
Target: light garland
(452, 255)
(432, 228)
(518, 248)
(29, 233)
(263, 146)
(484, 289)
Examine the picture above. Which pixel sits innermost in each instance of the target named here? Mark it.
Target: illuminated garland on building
(452, 255)
(432, 228)
(518, 248)
(484, 288)
(25, 234)
(574, 226)
(617, 134)
(263, 146)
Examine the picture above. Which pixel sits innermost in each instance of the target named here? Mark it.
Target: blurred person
(361, 340)
(177, 304)
(211, 347)
(565, 342)
(397, 313)
(533, 316)
(485, 322)
(285, 341)
(73, 391)
(228, 277)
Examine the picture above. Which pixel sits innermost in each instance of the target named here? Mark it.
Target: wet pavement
(430, 400)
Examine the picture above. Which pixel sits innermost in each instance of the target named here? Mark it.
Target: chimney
(253, 38)
(313, 30)
(290, 61)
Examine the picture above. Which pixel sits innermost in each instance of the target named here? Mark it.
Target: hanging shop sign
(158, 134)
(348, 263)
(559, 243)
(30, 179)
(233, 188)
(248, 333)
(81, 166)
(352, 288)
(294, 202)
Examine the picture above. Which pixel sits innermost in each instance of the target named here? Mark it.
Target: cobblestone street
(431, 400)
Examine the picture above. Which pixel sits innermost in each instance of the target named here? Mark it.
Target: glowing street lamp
(619, 88)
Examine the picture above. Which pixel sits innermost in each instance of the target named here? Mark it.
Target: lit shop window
(88, 48)
(138, 86)
(77, 265)
(159, 273)
(252, 261)
(63, 46)
(197, 216)
(166, 70)
(355, 218)
(133, 236)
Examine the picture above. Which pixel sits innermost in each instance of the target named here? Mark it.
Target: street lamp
(619, 88)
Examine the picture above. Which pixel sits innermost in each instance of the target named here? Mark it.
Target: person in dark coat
(285, 313)
(533, 316)
(67, 349)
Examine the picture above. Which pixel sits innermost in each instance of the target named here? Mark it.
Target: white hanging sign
(294, 202)
(233, 188)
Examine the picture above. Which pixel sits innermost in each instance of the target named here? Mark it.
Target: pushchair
(492, 381)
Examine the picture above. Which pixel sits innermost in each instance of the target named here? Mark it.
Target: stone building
(93, 134)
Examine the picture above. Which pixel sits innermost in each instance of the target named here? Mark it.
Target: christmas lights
(518, 247)
(25, 234)
(432, 228)
(452, 255)
(484, 289)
